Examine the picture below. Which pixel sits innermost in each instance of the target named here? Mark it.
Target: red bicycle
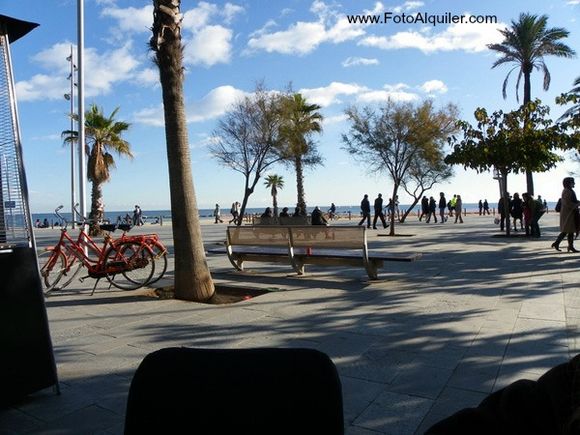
(126, 264)
(153, 241)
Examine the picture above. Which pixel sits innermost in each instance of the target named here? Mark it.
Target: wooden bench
(300, 245)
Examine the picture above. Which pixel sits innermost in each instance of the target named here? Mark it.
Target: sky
(229, 47)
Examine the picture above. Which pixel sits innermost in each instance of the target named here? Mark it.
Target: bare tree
(246, 139)
(423, 175)
(395, 136)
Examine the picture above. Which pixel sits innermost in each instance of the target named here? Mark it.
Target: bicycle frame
(73, 250)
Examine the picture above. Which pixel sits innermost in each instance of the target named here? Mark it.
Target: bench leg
(372, 269)
(298, 266)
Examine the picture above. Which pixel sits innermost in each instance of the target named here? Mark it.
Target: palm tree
(299, 121)
(193, 280)
(103, 136)
(274, 182)
(525, 44)
(573, 95)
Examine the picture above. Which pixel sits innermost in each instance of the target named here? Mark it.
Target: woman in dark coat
(517, 211)
(569, 218)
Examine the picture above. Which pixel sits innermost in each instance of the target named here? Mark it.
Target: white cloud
(434, 86)
(467, 37)
(573, 2)
(327, 95)
(148, 77)
(211, 106)
(209, 46)
(356, 61)
(389, 92)
(200, 16)
(207, 42)
(102, 71)
(137, 20)
(303, 37)
(336, 119)
(408, 6)
(230, 11)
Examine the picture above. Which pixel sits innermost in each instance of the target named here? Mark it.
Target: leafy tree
(193, 280)
(525, 44)
(103, 136)
(274, 182)
(300, 120)
(397, 137)
(509, 142)
(246, 139)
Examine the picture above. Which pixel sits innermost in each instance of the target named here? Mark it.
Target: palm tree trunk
(275, 203)
(301, 197)
(193, 280)
(527, 99)
(97, 209)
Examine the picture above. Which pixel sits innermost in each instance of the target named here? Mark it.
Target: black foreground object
(235, 391)
(548, 406)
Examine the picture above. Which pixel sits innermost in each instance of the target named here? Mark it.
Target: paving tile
(357, 395)
(393, 413)
(448, 403)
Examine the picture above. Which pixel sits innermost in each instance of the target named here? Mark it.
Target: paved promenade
(431, 337)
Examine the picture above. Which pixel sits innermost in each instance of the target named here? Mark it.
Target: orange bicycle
(126, 264)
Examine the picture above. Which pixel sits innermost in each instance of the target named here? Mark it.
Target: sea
(151, 216)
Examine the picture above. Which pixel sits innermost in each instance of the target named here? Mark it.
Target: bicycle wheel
(71, 272)
(160, 257)
(129, 265)
(52, 265)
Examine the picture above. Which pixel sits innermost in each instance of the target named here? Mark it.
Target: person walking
(217, 214)
(480, 205)
(569, 217)
(442, 206)
(137, 216)
(379, 212)
(235, 211)
(504, 216)
(424, 208)
(432, 210)
(365, 207)
(486, 207)
(458, 209)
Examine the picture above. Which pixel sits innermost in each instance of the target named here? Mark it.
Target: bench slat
(299, 245)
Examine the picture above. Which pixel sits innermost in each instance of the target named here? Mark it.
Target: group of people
(365, 207)
(429, 208)
(43, 224)
(524, 209)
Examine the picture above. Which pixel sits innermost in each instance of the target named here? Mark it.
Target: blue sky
(232, 45)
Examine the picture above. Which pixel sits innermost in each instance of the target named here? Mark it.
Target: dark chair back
(235, 391)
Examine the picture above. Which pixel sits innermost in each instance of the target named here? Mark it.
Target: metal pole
(81, 108)
(72, 143)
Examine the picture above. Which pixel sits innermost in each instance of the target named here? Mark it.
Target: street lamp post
(71, 97)
(498, 176)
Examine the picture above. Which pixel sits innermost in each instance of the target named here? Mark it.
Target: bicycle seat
(125, 227)
(108, 227)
